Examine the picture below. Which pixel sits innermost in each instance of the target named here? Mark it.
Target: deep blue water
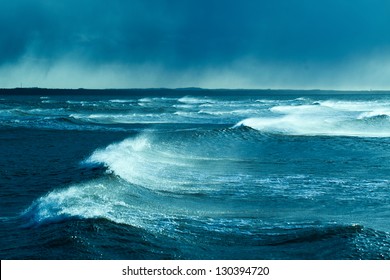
(194, 174)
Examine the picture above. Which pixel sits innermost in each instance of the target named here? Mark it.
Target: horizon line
(199, 88)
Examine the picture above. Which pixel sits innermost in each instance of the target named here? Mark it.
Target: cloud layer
(213, 43)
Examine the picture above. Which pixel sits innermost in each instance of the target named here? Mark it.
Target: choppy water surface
(194, 174)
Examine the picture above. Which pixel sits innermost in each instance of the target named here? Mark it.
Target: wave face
(213, 177)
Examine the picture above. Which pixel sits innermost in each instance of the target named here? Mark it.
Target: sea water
(194, 174)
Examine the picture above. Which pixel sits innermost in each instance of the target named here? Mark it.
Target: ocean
(194, 174)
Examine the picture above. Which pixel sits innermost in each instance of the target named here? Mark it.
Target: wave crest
(326, 120)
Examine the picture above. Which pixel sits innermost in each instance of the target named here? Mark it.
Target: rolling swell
(149, 172)
(201, 240)
(182, 181)
(217, 188)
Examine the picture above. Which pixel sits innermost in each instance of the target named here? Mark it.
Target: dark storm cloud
(187, 35)
(96, 29)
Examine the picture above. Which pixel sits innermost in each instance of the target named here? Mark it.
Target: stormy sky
(327, 44)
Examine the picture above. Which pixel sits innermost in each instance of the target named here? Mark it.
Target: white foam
(302, 110)
(145, 100)
(330, 118)
(195, 100)
(49, 101)
(184, 106)
(355, 106)
(238, 112)
(130, 118)
(121, 100)
(104, 199)
(153, 186)
(285, 125)
(137, 196)
(375, 113)
(9, 112)
(142, 163)
(167, 165)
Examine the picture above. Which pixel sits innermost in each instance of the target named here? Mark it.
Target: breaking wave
(153, 180)
(326, 118)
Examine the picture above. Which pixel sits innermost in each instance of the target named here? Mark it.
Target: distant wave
(196, 100)
(329, 119)
(133, 118)
(295, 116)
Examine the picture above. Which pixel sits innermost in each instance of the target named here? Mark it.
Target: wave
(168, 218)
(121, 118)
(151, 180)
(90, 200)
(163, 163)
(211, 164)
(122, 100)
(196, 100)
(206, 182)
(177, 117)
(31, 112)
(119, 202)
(220, 112)
(299, 116)
(355, 106)
(208, 187)
(326, 120)
(384, 115)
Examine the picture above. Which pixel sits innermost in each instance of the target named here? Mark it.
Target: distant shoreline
(181, 91)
